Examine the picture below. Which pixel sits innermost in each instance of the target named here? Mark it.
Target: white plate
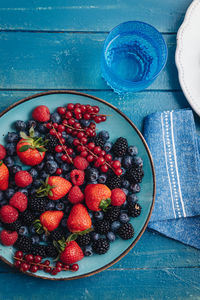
(188, 55)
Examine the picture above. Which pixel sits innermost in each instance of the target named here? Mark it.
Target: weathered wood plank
(64, 61)
(89, 15)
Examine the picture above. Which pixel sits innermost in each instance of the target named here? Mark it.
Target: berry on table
(124, 218)
(112, 213)
(23, 178)
(23, 230)
(120, 147)
(132, 150)
(80, 163)
(134, 175)
(100, 246)
(126, 231)
(75, 195)
(23, 243)
(88, 250)
(135, 188)
(8, 214)
(55, 117)
(102, 226)
(104, 135)
(134, 209)
(118, 197)
(115, 226)
(19, 201)
(83, 240)
(77, 177)
(111, 236)
(8, 238)
(41, 113)
(20, 125)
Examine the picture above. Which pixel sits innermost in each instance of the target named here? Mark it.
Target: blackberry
(23, 243)
(134, 209)
(51, 251)
(126, 231)
(15, 226)
(83, 240)
(57, 235)
(37, 204)
(112, 214)
(52, 142)
(99, 141)
(113, 181)
(120, 147)
(39, 250)
(27, 218)
(100, 246)
(134, 175)
(102, 226)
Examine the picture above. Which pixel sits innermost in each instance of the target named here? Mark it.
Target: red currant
(79, 148)
(118, 172)
(97, 119)
(71, 121)
(58, 269)
(64, 122)
(24, 267)
(103, 118)
(97, 150)
(37, 259)
(77, 105)
(19, 254)
(74, 133)
(102, 153)
(58, 148)
(54, 272)
(61, 128)
(29, 258)
(93, 134)
(64, 157)
(47, 269)
(70, 106)
(77, 110)
(61, 110)
(66, 267)
(34, 269)
(89, 131)
(90, 158)
(86, 116)
(48, 125)
(69, 130)
(55, 125)
(70, 151)
(76, 142)
(79, 116)
(96, 109)
(74, 267)
(59, 171)
(62, 140)
(84, 140)
(108, 157)
(80, 134)
(52, 132)
(116, 164)
(59, 134)
(83, 108)
(100, 161)
(104, 168)
(17, 264)
(46, 262)
(92, 125)
(59, 264)
(68, 115)
(83, 148)
(91, 146)
(84, 154)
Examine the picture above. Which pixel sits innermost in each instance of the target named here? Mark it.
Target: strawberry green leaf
(24, 148)
(50, 193)
(104, 204)
(72, 237)
(1, 163)
(41, 149)
(23, 135)
(31, 132)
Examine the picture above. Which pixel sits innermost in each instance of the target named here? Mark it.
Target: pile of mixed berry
(66, 191)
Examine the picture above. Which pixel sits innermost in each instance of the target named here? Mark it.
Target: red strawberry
(80, 163)
(79, 219)
(75, 195)
(23, 178)
(8, 238)
(8, 214)
(77, 177)
(4, 176)
(118, 197)
(41, 113)
(51, 219)
(97, 196)
(2, 152)
(72, 253)
(19, 201)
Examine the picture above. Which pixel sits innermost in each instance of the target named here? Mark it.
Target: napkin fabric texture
(175, 147)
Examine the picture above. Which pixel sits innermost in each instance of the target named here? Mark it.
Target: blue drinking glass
(134, 53)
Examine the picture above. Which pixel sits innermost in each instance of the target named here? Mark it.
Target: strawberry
(23, 178)
(72, 253)
(80, 163)
(55, 188)
(8, 238)
(41, 113)
(75, 195)
(77, 177)
(97, 196)
(19, 201)
(8, 214)
(118, 197)
(79, 219)
(50, 219)
(2, 152)
(30, 149)
(4, 176)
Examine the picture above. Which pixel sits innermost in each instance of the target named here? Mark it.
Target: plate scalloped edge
(186, 22)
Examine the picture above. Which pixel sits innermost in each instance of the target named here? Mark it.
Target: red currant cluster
(78, 111)
(74, 128)
(33, 263)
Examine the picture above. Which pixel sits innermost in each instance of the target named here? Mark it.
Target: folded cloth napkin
(174, 145)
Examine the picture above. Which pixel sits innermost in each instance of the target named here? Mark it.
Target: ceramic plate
(117, 125)
(188, 55)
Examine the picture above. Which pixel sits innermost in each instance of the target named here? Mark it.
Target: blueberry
(67, 208)
(24, 191)
(33, 172)
(125, 191)
(1, 196)
(65, 135)
(32, 229)
(132, 150)
(31, 123)
(41, 128)
(90, 214)
(12, 137)
(3, 202)
(85, 123)
(40, 166)
(58, 157)
(138, 161)
(124, 205)
(36, 134)
(51, 166)
(55, 117)
(15, 169)
(92, 174)
(43, 174)
(33, 190)
(9, 162)
(95, 236)
(124, 218)
(127, 162)
(50, 205)
(104, 135)
(44, 237)
(125, 183)
(92, 182)
(67, 176)
(135, 188)
(123, 170)
(60, 206)
(70, 140)
(9, 193)
(132, 198)
(65, 167)
(37, 183)
(107, 146)
(118, 158)
(35, 239)
(23, 230)
(20, 125)
(99, 215)
(64, 222)
(88, 250)
(115, 225)
(10, 149)
(49, 157)
(111, 236)
(102, 178)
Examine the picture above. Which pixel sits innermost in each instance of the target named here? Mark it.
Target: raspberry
(41, 113)
(118, 197)
(80, 163)
(8, 238)
(2, 152)
(126, 231)
(101, 246)
(77, 177)
(23, 178)
(19, 201)
(75, 195)
(8, 214)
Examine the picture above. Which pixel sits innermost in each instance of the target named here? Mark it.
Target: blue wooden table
(47, 45)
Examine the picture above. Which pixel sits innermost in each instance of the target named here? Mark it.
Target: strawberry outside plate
(118, 125)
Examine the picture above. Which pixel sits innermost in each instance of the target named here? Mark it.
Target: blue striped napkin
(174, 144)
